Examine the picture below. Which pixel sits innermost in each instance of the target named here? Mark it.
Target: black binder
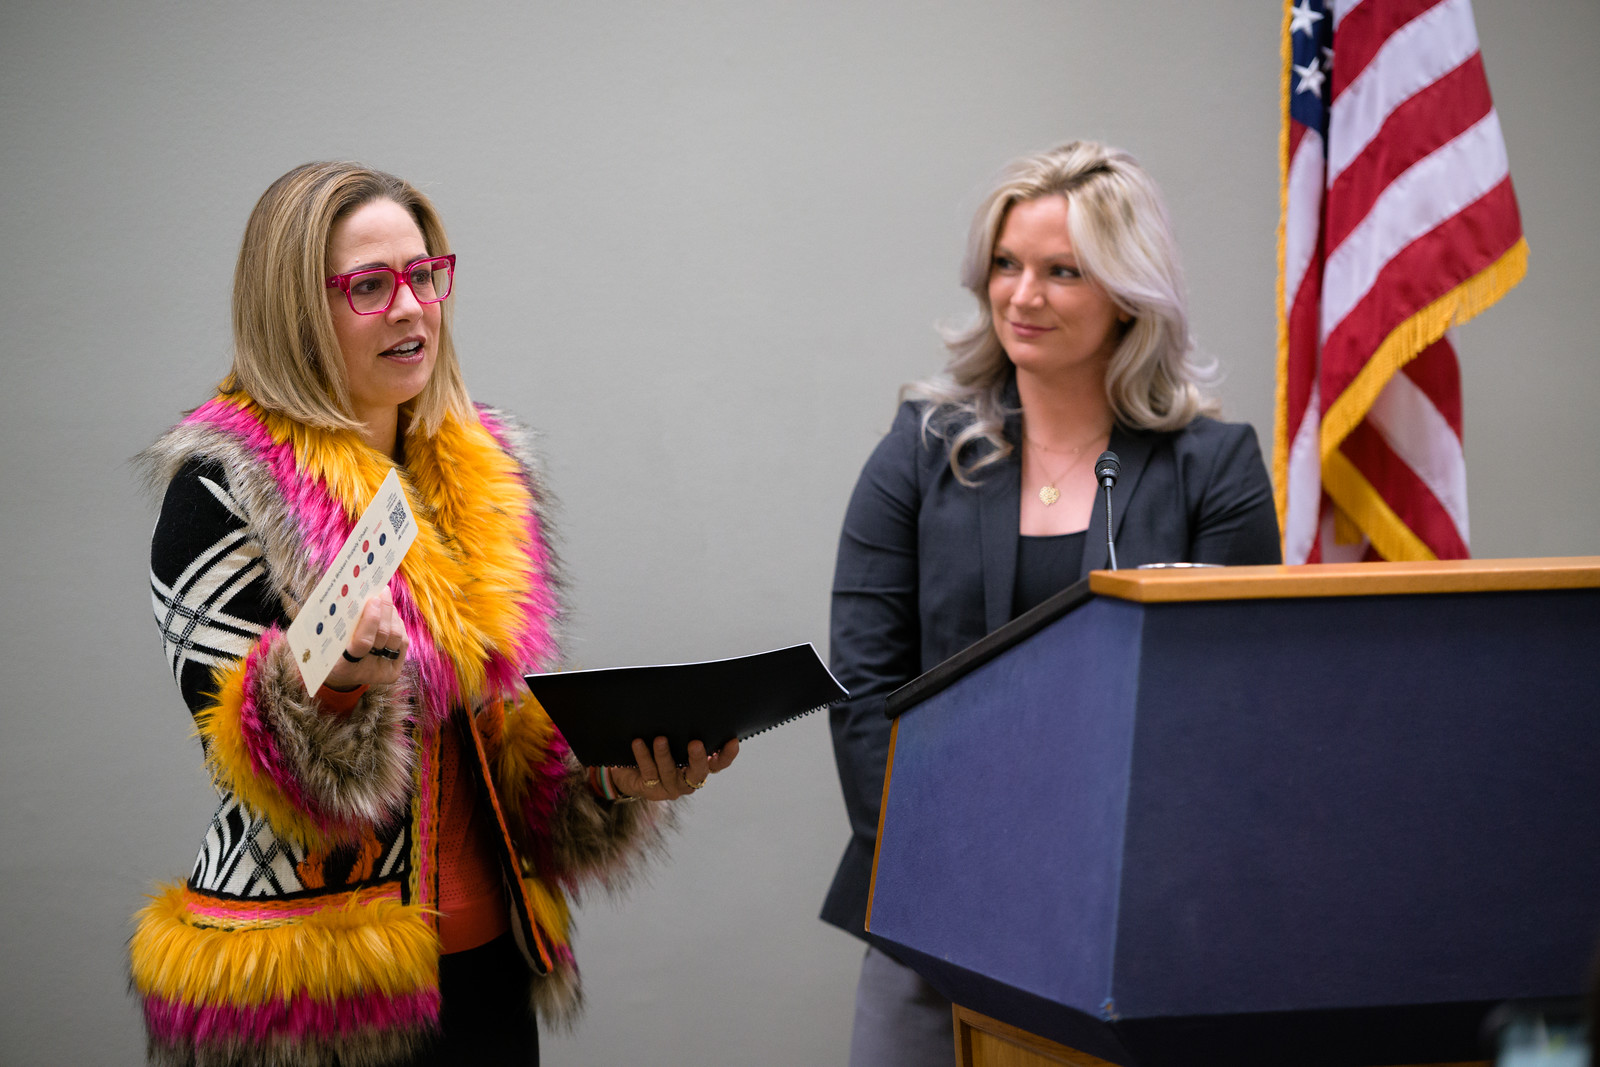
(600, 712)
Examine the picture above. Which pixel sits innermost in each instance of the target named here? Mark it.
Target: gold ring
(701, 784)
(651, 783)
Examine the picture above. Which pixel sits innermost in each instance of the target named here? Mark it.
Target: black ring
(387, 653)
(353, 659)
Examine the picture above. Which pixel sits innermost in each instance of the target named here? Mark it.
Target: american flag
(1398, 222)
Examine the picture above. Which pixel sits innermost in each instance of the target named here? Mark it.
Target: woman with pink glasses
(385, 879)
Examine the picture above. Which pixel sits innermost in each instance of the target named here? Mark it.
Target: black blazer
(927, 566)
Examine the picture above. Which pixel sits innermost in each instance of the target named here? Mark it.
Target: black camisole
(1045, 566)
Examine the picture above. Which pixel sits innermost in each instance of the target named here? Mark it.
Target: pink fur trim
(259, 740)
(323, 525)
(438, 690)
(547, 780)
(233, 912)
(300, 1018)
(320, 518)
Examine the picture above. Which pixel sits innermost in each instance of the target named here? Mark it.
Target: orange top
(472, 903)
(339, 701)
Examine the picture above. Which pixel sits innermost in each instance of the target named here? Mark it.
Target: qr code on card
(397, 516)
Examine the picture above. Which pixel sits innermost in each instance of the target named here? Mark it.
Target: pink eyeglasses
(371, 291)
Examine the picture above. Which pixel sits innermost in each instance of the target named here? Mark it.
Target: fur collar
(477, 591)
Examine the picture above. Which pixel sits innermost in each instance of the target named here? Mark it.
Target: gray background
(701, 246)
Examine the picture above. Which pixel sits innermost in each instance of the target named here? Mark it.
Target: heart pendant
(1049, 495)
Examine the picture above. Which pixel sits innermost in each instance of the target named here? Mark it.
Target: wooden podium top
(1348, 579)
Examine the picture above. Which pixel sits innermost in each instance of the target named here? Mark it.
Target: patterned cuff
(600, 785)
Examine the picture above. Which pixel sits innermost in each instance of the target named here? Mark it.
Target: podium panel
(1326, 830)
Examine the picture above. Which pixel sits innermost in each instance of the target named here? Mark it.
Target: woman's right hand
(657, 776)
(377, 648)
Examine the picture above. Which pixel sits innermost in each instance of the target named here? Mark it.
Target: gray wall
(701, 245)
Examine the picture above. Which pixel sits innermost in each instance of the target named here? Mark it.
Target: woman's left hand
(657, 776)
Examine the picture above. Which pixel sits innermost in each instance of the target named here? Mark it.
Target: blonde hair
(285, 354)
(1119, 230)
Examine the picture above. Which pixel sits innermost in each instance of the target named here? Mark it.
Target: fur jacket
(306, 931)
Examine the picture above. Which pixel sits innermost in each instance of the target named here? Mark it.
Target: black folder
(601, 711)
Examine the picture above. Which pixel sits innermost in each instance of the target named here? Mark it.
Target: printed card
(366, 562)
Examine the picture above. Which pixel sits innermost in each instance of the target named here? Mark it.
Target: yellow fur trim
(1280, 423)
(1406, 340)
(469, 567)
(228, 759)
(524, 740)
(1356, 497)
(364, 946)
(550, 911)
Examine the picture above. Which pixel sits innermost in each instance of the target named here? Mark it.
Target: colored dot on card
(319, 627)
(383, 538)
(358, 571)
(369, 557)
(344, 590)
(332, 608)
(364, 545)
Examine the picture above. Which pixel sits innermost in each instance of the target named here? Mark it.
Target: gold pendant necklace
(1048, 493)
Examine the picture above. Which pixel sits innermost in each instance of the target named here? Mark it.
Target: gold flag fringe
(1358, 499)
(1407, 340)
(1280, 427)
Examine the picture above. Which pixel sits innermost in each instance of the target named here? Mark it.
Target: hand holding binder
(657, 776)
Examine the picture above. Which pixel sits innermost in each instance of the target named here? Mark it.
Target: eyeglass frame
(342, 282)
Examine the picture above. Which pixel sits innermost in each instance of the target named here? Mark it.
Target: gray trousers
(901, 1020)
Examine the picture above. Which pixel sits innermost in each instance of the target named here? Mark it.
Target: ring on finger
(701, 784)
(650, 783)
(350, 658)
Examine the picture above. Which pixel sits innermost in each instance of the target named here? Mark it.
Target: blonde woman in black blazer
(981, 502)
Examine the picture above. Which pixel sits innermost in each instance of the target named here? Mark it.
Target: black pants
(487, 1018)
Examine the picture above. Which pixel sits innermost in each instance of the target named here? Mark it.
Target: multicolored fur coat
(306, 932)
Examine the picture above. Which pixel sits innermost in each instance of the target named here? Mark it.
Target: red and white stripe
(1302, 297)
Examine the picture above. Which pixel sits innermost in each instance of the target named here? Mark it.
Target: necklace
(1048, 493)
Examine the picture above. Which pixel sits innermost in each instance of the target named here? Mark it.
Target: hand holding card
(377, 648)
(350, 616)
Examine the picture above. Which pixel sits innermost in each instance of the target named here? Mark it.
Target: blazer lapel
(1133, 453)
(999, 494)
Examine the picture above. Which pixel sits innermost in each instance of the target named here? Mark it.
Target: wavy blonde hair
(1119, 230)
(285, 354)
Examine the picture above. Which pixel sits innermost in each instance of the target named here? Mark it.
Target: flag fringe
(1280, 420)
(1366, 507)
(1407, 340)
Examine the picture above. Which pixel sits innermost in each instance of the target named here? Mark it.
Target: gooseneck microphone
(1106, 469)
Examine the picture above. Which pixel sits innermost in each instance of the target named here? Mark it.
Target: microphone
(1106, 469)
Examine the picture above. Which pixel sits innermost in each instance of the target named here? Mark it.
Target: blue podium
(1261, 815)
